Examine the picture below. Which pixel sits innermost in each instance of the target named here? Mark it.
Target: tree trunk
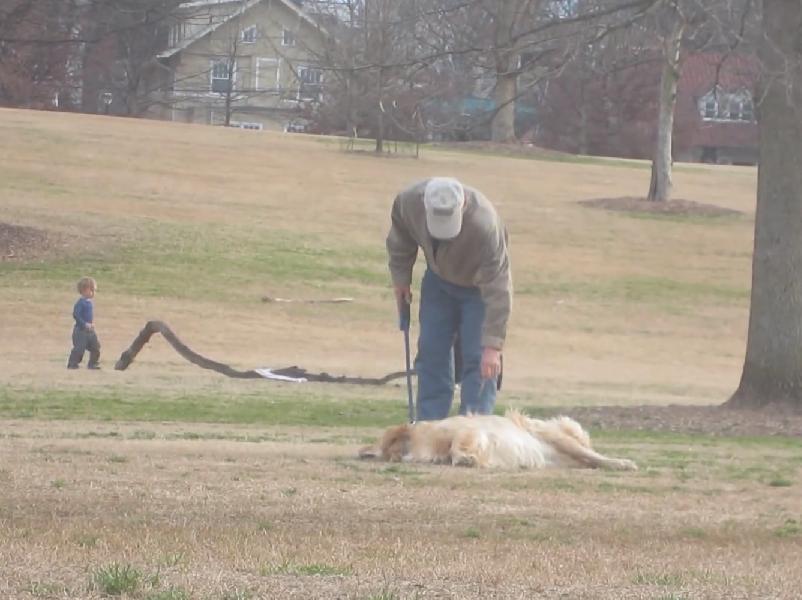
(583, 121)
(380, 114)
(660, 184)
(502, 127)
(772, 373)
(503, 124)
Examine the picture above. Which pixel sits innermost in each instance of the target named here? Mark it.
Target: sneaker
(93, 367)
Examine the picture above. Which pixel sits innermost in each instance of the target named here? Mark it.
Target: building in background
(242, 63)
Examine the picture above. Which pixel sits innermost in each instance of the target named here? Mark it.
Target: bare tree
(129, 34)
(39, 41)
(698, 25)
(676, 24)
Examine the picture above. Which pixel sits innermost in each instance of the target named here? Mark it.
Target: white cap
(444, 199)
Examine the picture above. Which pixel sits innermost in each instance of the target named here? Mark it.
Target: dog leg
(467, 449)
(587, 456)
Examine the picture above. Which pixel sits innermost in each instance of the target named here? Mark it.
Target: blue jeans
(445, 310)
(83, 340)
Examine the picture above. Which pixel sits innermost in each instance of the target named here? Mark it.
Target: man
(466, 293)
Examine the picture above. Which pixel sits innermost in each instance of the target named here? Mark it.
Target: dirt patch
(676, 207)
(710, 420)
(20, 243)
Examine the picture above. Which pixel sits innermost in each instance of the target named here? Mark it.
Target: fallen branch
(151, 327)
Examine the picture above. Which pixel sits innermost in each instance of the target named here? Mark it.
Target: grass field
(169, 482)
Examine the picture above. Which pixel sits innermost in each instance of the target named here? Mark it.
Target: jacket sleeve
(495, 284)
(402, 249)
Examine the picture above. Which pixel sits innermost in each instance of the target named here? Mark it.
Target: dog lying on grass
(509, 442)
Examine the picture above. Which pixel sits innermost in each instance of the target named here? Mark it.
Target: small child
(83, 334)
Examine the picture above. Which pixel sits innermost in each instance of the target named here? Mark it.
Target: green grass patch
(791, 528)
(86, 540)
(310, 406)
(780, 482)
(116, 579)
(661, 579)
(201, 260)
(692, 440)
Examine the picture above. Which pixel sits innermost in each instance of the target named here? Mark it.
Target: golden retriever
(509, 442)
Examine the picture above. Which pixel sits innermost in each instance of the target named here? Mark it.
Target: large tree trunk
(660, 184)
(772, 372)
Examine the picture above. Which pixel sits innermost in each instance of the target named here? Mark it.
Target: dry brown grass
(307, 520)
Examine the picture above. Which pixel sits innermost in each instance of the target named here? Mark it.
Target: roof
(214, 26)
(700, 72)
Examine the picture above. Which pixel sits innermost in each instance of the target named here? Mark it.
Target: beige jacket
(477, 257)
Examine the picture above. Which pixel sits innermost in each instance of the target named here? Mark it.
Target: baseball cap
(444, 199)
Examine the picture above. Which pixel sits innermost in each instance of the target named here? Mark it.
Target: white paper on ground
(268, 374)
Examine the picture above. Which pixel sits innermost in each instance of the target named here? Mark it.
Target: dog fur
(509, 442)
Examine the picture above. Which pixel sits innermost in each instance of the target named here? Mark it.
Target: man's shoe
(93, 367)
(72, 366)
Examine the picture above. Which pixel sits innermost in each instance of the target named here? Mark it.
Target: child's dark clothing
(84, 339)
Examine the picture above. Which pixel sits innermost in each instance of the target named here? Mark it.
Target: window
(721, 106)
(221, 82)
(249, 35)
(267, 74)
(288, 38)
(747, 111)
(711, 108)
(310, 80)
(177, 34)
(734, 112)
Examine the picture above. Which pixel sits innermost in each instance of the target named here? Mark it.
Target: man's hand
(491, 363)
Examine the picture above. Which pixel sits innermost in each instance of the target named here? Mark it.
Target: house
(615, 113)
(244, 63)
(714, 120)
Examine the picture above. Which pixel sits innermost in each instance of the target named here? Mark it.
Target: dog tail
(370, 452)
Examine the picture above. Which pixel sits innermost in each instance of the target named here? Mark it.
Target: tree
(37, 52)
(660, 184)
(128, 35)
(772, 372)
